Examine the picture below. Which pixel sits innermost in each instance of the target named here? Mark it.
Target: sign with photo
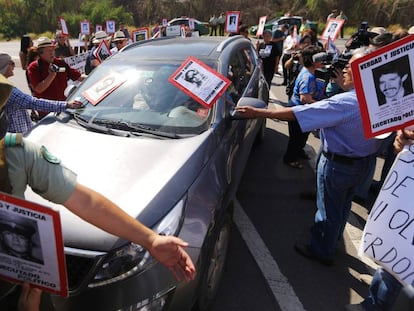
(98, 27)
(232, 21)
(38, 257)
(332, 29)
(261, 25)
(383, 82)
(63, 26)
(110, 26)
(388, 236)
(85, 27)
(164, 22)
(102, 52)
(199, 81)
(140, 34)
(105, 86)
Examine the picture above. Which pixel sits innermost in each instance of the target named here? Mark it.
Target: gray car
(165, 159)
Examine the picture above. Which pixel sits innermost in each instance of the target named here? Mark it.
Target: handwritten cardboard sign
(39, 257)
(199, 81)
(388, 236)
(383, 82)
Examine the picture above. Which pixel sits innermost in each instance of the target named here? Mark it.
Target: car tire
(214, 269)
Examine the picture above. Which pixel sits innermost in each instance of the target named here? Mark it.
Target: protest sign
(384, 86)
(140, 34)
(102, 52)
(63, 26)
(199, 81)
(388, 236)
(38, 257)
(105, 86)
(110, 26)
(331, 31)
(261, 25)
(98, 27)
(85, 28)
(77, 61)
(232, 21)
(191, 24)
(173, 31)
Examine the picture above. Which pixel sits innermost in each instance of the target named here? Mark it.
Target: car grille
(77, 269)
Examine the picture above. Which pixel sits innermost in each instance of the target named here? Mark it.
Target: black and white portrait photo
(18, 238)
(393, 81)
(332, 29)
(232, 21)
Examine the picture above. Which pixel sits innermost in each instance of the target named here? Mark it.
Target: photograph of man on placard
(18, 238)
(393, 81)
(232, 21)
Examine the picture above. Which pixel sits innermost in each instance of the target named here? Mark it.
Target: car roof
(177, 48)
(182, 18)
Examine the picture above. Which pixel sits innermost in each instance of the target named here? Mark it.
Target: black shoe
(306, 251)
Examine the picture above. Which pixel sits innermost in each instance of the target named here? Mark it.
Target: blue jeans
(336, 185)
(383, 292)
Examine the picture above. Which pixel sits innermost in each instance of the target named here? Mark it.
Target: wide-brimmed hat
(43, 42)
(119, 36)
(99, 36)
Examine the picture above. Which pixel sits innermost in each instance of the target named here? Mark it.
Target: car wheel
(214, 270)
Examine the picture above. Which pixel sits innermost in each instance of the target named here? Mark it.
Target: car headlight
(132, 258)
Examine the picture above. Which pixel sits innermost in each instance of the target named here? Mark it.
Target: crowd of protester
(292, 49)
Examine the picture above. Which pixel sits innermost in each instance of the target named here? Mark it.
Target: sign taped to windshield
(105, 86)
(199, 81)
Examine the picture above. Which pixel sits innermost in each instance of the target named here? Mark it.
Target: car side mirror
(246, 101)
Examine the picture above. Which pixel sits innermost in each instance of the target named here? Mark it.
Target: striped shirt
(17, 114)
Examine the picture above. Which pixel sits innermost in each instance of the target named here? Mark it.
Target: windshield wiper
(140, 128)
(103, 129)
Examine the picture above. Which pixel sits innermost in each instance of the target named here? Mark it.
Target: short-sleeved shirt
(306, 83)
(27, 165)
(39, 70)
(340, 121)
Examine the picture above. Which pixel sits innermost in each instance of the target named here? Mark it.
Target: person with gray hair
(342, 166)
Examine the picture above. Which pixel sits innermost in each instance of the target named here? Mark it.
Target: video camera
(56, 68)
(331, 62)
(360, 38)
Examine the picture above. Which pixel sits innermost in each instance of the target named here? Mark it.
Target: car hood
(146, 177)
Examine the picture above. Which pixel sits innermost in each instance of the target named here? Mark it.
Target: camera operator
(307, 90)
(295, 63)
(49, 75)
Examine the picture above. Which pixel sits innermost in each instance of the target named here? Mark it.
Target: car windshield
(137, 97)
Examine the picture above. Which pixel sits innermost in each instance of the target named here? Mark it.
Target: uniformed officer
(23, 163)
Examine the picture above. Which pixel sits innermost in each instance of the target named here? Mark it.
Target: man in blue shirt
(343, 165)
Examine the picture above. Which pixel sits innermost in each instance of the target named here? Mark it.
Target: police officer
(23, 163)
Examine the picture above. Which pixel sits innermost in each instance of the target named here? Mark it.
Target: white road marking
(278, 283)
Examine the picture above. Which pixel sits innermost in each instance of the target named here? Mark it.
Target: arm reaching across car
(101, 212)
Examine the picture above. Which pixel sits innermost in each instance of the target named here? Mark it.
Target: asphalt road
(263, 272)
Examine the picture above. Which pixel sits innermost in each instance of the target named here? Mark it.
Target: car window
(128, 93)
(241, 68)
